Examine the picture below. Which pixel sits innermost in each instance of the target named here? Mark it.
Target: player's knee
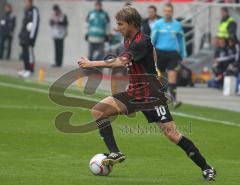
(96, 113)
(172, 135)
(172, 77)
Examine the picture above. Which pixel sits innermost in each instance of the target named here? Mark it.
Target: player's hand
(84, 62)
(125, 61)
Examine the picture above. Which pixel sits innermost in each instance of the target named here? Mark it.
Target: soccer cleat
(114, 158)
(209, 174)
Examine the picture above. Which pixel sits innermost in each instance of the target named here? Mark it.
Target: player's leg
(172, 80)
(170, 131)
(162, 116)
(173, 65)
(162, 65)
(101, 112)
(107, 107)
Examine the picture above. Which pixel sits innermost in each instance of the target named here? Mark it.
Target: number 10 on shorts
(161, 111)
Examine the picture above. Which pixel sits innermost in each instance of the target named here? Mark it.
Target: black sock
(173, 90)
(106, 133)
(193, 153)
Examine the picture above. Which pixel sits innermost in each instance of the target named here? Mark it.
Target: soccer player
(139, 59)
(168, 38)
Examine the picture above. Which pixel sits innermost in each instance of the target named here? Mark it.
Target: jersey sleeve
(140, 49)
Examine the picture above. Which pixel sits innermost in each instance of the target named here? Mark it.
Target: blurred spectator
(234, 67)
(184, 76)
(215, 43)
(27, 37)
(222, 58)
(7, 25)
(115, 43)
(58, 23)
(147, 23)
(98, 29)
(228, 26)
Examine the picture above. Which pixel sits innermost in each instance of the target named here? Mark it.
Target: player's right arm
(115, 62)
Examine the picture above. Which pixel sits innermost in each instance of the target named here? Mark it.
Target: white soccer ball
(96, 166)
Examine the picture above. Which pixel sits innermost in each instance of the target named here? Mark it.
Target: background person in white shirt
(59, 24)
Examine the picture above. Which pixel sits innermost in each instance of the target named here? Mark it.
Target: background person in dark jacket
(148, 22)
(27, 36)
(58, 23)
(222, 58)
(7, 25)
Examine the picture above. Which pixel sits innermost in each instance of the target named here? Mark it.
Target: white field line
(2, 106)
(28, 107)
(95, 99)
(201, 118)
(45, 91)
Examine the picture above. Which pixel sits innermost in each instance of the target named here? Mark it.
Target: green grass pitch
(34, 151)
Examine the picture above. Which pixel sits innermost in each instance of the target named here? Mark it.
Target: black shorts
(168, 60)
(155, 110)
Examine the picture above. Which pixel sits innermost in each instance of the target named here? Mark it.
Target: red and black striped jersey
(142, 68)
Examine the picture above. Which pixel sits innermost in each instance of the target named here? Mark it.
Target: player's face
(123, 28)
(168, 12)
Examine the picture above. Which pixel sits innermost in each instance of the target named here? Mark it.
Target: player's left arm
(115, 62)
(181, 42)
